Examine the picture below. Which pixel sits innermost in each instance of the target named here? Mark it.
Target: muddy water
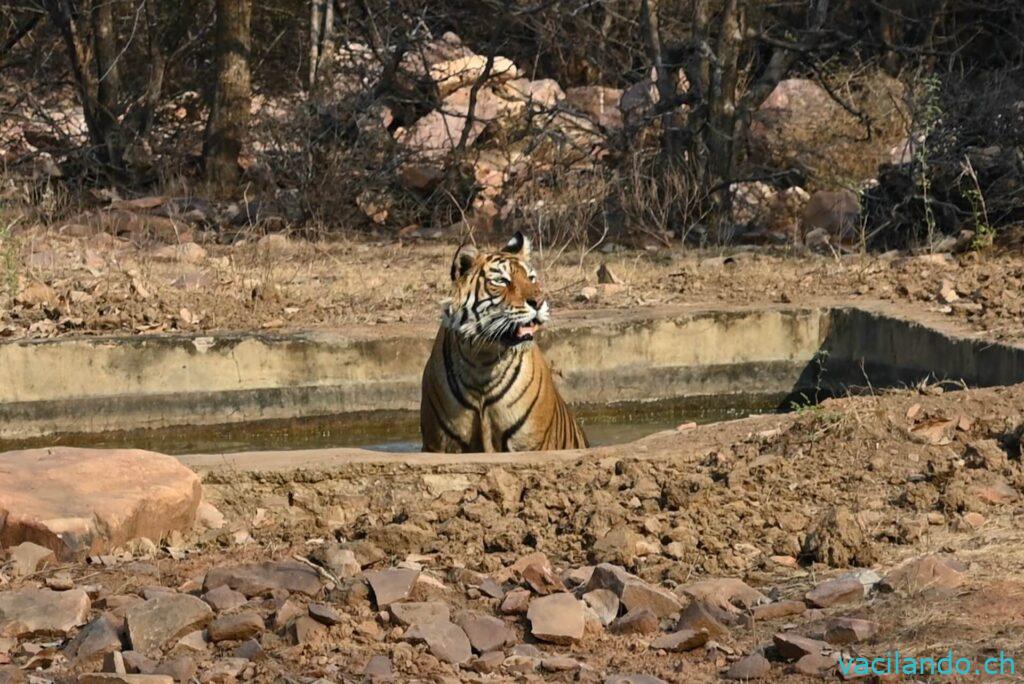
(399, 430)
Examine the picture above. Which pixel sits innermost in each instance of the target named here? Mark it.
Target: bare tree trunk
(315, 18)
(665, 80)
(108, 81)
(62, 15)
(321, 38)
(722, 94)
(228, 124)
(157, 64)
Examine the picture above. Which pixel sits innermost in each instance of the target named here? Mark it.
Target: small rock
(632, 591)
(619, 546)
(697, 617)
(636, 621)
(378, 668)
(753, 666)
(97, 639)
(391, 585)
(224, 598)
(586, 294)
(725, 593)
(487, 663)
(515, 664)
(848, 630)
(236, 627)
(604, 603)
(321, 612)
(225, 670)
(933, 572)
(154, 623)
(815, 664)
(866, 576)
(542, 579)
(777, 609)
(341, 562)
(559, 664)
(180, 668)
(59, 582)
(558, 618)
(526, 650)
(29, 612)
(835, 592)
(113, 663)
(423, 612)
(793, 646)
(189, 252)
(26, 558)
(485, 633)
(286, 612)
(400, 538)
(209, 517)
(153, 592)
(261, 579)
(135, 662)
(516, 602)
(682, 640)
(250, 650)
(970, 521)
(366, 553)
(445, 640)
(306, 630)
(193, 642)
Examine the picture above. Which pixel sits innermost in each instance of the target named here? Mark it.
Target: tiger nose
(535, 303)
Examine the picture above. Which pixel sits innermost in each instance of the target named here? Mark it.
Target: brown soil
(100, 284)
(857, 482)
(783, 502)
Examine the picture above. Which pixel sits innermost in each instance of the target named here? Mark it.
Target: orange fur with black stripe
(487, 386)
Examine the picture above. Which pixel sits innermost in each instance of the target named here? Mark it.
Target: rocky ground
(117, 271)
(762, 548)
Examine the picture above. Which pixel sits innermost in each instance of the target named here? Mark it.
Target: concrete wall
(101, 384)
(890, 350)
(94, 385)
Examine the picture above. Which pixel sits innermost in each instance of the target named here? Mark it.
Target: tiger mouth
(522, 333)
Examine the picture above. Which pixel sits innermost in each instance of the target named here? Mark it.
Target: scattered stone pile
(347, 617)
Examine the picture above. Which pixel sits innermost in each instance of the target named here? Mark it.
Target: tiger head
(496, 299)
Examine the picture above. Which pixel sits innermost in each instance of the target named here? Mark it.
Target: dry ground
(783, 502)
(76, 280)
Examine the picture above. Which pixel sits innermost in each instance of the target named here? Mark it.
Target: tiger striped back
(487, 386)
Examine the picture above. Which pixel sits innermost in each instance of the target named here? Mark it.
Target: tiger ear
(463, 261)
(519, 245)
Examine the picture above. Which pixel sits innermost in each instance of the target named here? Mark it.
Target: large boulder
(834, 214)
(599, 103)
(417, 61)
(836, 143)
(430, 141)
(86, 501)
(454, 74)
(42, 612)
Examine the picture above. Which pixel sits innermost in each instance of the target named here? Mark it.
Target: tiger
(486, 386)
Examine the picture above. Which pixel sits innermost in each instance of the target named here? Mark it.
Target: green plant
(10, 250)
(984, 233)
(928, 116)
